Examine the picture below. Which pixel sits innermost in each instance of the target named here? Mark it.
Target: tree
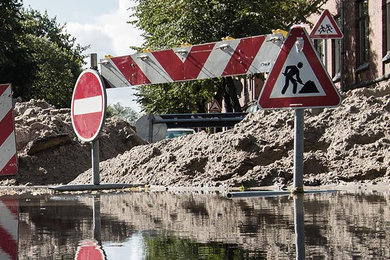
(41, 59)
(169, 23)
(11, 53)
(126, 113)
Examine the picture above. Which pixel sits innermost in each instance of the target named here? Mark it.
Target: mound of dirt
(49, 151)
(345, 144)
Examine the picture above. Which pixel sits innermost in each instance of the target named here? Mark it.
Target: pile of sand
(48, 149)
(346, 144)
(349, 143)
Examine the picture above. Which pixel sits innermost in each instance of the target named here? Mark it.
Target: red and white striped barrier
(9, 228)
(8, 162)
(219, 59)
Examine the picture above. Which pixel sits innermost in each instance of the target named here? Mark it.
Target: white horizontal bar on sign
(7, 150)
(87, 105)
(9, 221)
(5, 102)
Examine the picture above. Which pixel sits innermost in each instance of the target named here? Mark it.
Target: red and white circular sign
(89, 102)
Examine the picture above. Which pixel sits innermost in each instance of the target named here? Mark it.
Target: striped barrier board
(8, 160)
(9, 219)
(250, 55)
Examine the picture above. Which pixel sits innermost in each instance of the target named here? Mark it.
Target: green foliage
(180, 97)
(169, 23)
(159, 247)
(126, 113)
(40, 59)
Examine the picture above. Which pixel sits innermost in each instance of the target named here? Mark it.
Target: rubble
(349, 143)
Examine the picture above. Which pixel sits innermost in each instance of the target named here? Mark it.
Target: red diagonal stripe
(243, 56)
(11, 168)
(11, 204)
(190, 68)
(7, 244)
(6, 127)
(3, 88)
(130, 70)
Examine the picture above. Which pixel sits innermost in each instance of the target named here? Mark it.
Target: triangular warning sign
(326, 28)
(298, 78)
(215, 107)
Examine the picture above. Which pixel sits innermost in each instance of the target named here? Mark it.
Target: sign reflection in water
(91, 249)
(192, 226)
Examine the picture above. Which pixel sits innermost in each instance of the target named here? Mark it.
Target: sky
(100, 24)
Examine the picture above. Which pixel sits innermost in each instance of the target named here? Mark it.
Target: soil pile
(349, 143)
(49, 151)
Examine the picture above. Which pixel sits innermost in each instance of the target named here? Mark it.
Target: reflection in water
(8, 228)
(198, 226)
(299, 227)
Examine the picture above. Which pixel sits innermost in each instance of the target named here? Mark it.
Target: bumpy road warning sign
(215, 107)
(298, 78)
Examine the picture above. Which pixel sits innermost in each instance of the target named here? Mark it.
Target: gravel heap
(49, 151)
(346, 144)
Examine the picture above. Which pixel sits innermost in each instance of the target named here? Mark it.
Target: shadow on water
(163, 225)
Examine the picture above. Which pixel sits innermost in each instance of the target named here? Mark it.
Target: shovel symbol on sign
(291, 74)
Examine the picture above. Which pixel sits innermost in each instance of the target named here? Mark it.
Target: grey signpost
(298, 149)
(95, 143)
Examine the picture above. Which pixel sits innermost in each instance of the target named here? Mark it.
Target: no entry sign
(88, 107)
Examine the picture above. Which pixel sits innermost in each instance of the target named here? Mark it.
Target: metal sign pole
(95, 161)
(95, 143)
(298, 150)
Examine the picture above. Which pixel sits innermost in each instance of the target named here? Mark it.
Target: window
(363, 32)
(319, 46)
(336, 54)
(336, 57)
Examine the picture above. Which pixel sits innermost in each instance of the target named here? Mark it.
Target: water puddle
(165, 225)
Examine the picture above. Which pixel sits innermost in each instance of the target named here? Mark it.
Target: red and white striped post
(8, 160)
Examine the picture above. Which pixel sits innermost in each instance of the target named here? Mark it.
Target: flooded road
(164, 225)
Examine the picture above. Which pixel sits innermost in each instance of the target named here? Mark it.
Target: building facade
(360, 59)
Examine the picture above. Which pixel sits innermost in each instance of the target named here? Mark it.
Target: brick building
(361, 58)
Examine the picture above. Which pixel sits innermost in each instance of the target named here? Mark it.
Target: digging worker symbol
(292, 75)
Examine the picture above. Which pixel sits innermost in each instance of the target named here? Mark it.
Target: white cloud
(109, 33)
